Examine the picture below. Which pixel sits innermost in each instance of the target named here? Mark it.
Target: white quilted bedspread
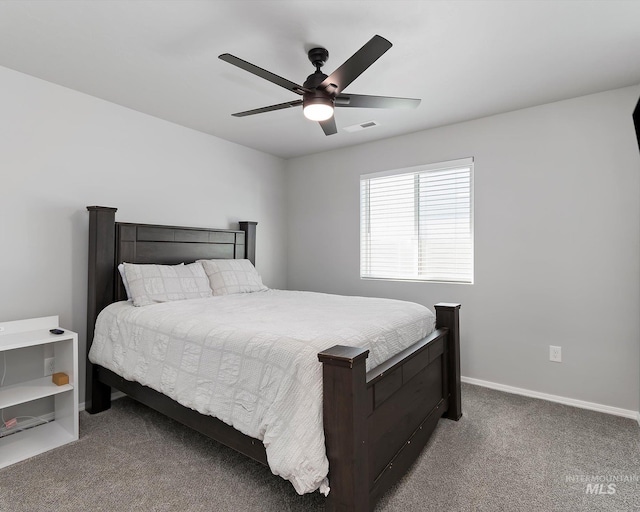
(251, 360)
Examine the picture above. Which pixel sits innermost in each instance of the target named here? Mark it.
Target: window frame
(415, 170)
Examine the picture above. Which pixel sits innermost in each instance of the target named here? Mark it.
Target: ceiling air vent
(362, 126)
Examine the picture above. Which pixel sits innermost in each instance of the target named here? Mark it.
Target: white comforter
(251, 360)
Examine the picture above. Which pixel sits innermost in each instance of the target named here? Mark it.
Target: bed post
(101, 270)
(345, 427)
(249, 228)
(448, 315)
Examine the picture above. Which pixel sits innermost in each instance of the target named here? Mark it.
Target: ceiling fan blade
(270, 108)
(355, 65)
(329, 126)
(263, 73)
(364, 101)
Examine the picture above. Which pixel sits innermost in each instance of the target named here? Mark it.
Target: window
(417, 223)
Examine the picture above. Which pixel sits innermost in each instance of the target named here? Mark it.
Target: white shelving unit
(63, 428)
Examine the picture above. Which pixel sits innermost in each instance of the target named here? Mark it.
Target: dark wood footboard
(376, 424)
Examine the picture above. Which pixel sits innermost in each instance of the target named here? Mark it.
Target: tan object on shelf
(60, 379)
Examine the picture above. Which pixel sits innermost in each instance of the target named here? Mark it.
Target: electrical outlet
(49, 366)
(555, 354)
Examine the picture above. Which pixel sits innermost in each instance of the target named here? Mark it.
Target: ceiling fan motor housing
(317, 97)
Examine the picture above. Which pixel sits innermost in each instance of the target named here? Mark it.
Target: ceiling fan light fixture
(321, 93)
(318, 108)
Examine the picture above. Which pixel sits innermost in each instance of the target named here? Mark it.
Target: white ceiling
(464, 59)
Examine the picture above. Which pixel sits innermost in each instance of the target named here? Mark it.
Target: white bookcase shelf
(29, 391)
(63, 428)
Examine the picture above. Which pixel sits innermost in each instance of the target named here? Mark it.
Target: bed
(376, 421)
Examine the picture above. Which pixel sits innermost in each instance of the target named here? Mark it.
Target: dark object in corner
(636, 122)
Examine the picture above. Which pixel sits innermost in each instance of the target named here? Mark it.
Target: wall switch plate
(555, 354)
(49, 366)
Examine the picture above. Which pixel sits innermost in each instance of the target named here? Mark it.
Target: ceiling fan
(321, 93)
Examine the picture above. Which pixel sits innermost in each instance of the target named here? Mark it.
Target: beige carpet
(507, 453)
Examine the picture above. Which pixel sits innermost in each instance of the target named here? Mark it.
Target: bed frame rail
(207, 425)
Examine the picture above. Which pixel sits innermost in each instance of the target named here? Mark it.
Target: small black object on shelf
(56, 331)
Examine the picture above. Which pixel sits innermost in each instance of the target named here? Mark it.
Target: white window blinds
(417, 224)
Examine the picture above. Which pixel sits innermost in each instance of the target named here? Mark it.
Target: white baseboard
(114, 396)
(607, 409)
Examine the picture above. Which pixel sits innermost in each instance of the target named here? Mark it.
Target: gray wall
(557, 222)
(557, 235)
(62, 150)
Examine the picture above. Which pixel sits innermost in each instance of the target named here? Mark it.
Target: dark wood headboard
(112, 243)
(171, 245)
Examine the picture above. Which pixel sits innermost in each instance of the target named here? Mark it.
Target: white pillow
(232, 276)
(124, 280)
(150, 284)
